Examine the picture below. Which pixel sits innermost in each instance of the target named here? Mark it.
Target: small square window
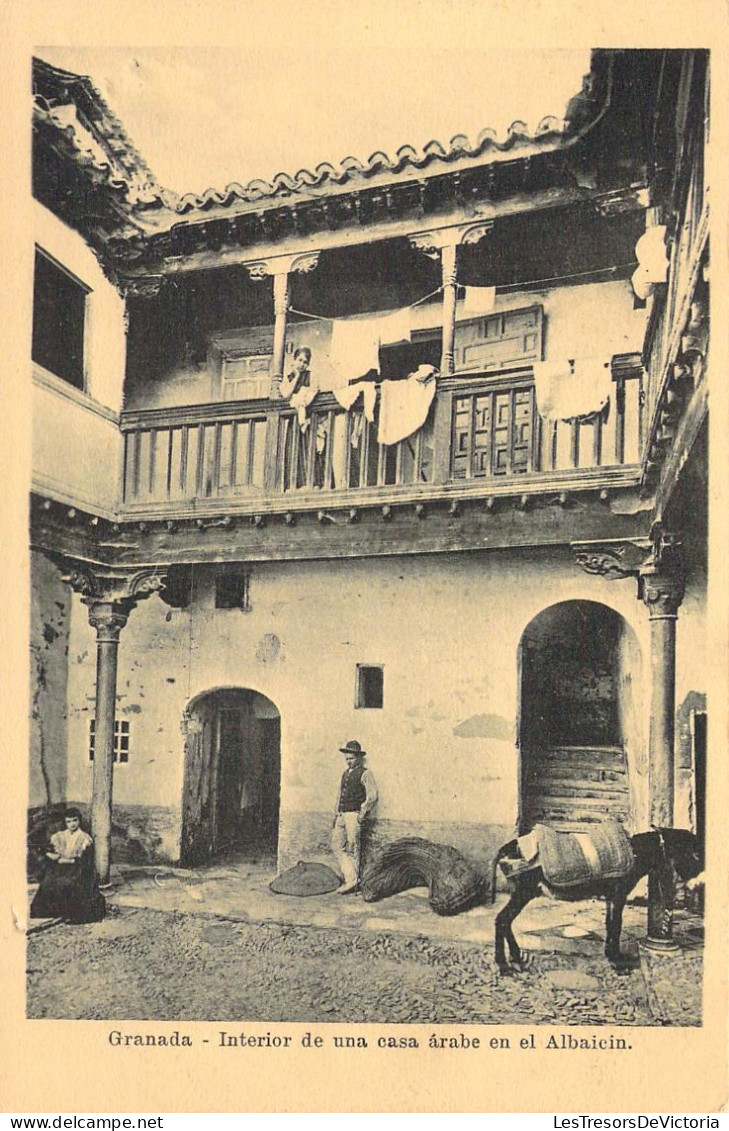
(370, 685)
(121, 739)
(232, 590)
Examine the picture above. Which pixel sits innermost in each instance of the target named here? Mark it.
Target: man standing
(357, 796)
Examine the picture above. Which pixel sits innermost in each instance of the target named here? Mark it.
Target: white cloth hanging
(347, 395)
(355, 347)
(395, 327)
(404, 405)
(568, 390)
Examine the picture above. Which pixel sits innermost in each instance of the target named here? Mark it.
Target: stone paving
(239, 890)
(564, 940)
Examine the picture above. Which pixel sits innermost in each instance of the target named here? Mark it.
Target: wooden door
(198, 802)
(573, 786)
(230, 745)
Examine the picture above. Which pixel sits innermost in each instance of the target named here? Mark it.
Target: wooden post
(280, 311)
(450, 284)
(662, 592)
(108, 617)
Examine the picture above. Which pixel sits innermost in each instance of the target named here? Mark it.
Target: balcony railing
(481, 430)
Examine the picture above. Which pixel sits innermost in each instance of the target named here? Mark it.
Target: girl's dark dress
(69, 891)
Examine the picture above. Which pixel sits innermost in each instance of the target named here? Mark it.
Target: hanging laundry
(395, 327)
(404, 405)
(479, 300)
(346, 395)
(569, 390)
(355, 348)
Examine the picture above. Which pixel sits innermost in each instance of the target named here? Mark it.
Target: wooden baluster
(235, 425)
(127, 465)
(365, 456)
(492, 433)
(597, 441)
(418, 457)
(535, 447)
(170, 442)
(217, 442)
(620, 420)
(184, 455)
(310, 448)
(137, 462)
(575, 443)
(328, 452)
(381, 464)
(200, 466)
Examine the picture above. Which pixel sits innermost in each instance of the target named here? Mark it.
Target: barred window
(121, 739)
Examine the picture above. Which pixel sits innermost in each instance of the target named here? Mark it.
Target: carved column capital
(108, 618)
(282, 265)
(662, 592)
(110, 586)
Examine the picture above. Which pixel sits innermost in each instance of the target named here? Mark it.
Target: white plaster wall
(446, 628)
(77, 446)
(105, 332)
(594, 320)
(77, 452)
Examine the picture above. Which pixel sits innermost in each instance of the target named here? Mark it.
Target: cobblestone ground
(153, 965)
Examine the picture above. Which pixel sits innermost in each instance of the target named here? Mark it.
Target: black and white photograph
(368, 534)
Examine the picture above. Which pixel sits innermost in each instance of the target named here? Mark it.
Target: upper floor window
(59, 315)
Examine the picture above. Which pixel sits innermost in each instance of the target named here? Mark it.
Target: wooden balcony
(483, 437)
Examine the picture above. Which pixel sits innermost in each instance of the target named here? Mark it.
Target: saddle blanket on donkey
(571, 860)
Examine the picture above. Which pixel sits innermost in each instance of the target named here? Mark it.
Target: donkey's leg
(615, 897)
(524, 889)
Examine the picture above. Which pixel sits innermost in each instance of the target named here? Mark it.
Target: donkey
(658, 852)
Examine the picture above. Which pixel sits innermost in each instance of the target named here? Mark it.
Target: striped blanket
(576, 859)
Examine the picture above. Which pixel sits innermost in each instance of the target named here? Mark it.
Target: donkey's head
(683, 851)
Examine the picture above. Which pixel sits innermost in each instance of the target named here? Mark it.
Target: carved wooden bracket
(108, 584)
(656, 562)
(282, 265)
(147, 287)
(613, 560)
(476, 232)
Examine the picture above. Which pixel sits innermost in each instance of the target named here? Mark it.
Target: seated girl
(68, 886)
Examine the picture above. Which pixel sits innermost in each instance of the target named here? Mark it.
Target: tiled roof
(100, 143)
(519, 141)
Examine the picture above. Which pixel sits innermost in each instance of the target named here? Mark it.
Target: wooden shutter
(496, 341)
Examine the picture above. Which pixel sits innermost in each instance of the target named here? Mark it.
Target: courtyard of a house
(215, 944)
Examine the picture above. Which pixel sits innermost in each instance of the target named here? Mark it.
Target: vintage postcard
(367, 654)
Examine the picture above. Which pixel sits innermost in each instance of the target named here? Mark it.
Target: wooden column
(108, 617)
(662, 591)
(280, 310)
(450, 286)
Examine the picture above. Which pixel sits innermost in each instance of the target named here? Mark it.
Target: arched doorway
(579, 716)
(232, 784)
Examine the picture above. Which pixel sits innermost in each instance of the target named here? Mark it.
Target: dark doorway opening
(578, 716)
(232, 788)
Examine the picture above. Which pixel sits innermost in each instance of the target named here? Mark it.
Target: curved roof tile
(351, 168)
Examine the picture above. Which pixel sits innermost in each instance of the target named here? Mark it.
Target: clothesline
(328, 318)
(503, 289)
